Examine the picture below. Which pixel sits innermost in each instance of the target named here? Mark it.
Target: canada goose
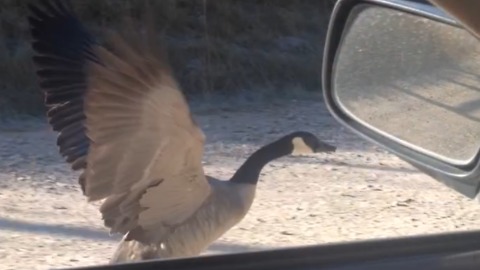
(122, 113)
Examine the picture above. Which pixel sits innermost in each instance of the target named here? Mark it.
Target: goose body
(123, 121)
(204, 227)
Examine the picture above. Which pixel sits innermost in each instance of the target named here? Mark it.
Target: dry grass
(254, 48)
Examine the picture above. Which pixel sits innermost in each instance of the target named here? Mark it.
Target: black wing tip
(50, 7)
(43, 10)
(60, 41)
(37, 12)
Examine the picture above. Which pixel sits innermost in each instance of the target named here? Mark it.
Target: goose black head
(306, 143)
(299, 142)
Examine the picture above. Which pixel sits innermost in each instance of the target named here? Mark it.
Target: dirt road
(360, 192)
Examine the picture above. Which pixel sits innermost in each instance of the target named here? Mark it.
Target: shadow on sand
(11, 225)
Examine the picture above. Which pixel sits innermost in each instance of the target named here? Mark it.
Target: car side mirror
(406, 76)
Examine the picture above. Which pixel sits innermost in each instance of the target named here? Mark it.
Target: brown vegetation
(253, 48)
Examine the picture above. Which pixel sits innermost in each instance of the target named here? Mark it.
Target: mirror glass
(413, 78)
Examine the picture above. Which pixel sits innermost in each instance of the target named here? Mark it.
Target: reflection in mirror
(415, 79)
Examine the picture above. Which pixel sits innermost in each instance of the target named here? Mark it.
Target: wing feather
(145, 147)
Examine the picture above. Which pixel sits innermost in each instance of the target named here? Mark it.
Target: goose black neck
(250, 170)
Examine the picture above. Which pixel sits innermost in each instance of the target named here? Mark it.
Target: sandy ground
(359, 192)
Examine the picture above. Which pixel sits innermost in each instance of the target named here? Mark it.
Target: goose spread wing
(144, 148)
(144, 142)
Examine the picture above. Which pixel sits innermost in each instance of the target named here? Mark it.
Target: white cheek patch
(300, 147)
